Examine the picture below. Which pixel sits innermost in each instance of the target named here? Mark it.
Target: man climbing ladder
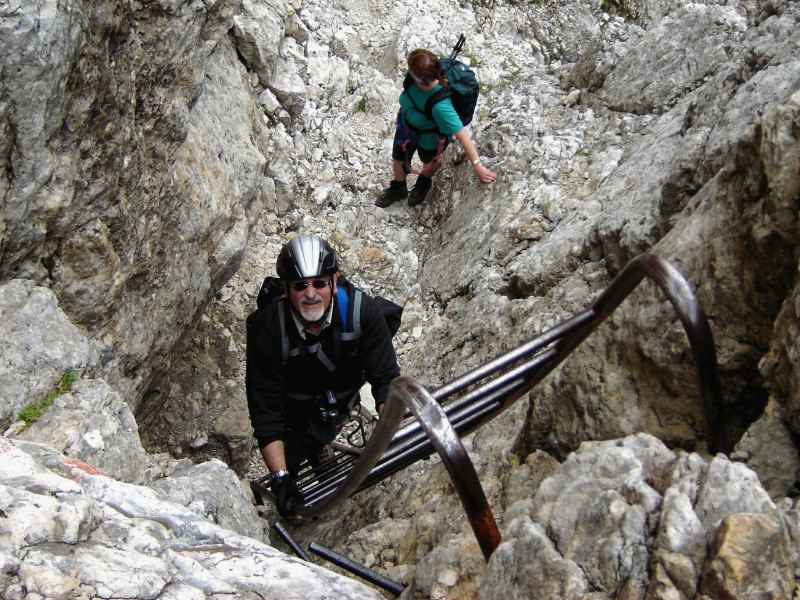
(311, 345)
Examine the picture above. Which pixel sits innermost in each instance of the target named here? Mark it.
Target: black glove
(287, 494)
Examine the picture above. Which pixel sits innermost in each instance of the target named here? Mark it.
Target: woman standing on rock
(426, 134)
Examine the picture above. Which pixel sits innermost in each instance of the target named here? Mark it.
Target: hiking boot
(420, 190)
(397, 190)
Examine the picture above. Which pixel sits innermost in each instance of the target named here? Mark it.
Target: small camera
(329, 410)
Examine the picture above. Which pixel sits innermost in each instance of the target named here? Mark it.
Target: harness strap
(326, 362)
(316, 349)
(409, 145)
(427, 168)
(351, 394)
(407, 165)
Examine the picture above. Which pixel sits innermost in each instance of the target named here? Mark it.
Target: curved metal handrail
(698, 331)
(391, 448)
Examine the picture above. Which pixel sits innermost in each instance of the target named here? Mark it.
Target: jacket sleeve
(264, 377)
(377, 352)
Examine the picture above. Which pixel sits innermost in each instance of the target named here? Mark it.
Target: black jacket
(281, 394)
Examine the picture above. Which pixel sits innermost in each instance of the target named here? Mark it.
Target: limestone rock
(93, 424)
(32, 320)
(527, 565)
(662, 52)
(212, 490)
(749, 558)
(99, 207)
(451, 571)
(156, 156)
(94, 535)
(608, 497)
(769, 450)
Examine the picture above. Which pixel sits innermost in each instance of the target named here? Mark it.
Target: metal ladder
(457, 408)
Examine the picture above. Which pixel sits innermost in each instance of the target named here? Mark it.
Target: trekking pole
(290, 541)
(382, 582)
(459, 45)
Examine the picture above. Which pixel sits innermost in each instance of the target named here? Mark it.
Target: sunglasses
(317, 284)
(419, 79)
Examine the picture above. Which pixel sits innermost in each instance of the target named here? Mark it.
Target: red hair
(426, 65)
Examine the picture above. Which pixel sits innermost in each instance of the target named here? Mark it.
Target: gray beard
(318, 321)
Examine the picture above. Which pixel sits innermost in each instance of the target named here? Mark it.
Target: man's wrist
(280, 474)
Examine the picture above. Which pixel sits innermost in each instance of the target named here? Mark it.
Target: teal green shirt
(446, 119)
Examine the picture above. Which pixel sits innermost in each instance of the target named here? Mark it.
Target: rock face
(609, 498)
(33, 319)
(155, 157)
(72, 532)
(122, 191)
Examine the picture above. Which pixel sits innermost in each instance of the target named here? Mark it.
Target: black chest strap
(301, 349)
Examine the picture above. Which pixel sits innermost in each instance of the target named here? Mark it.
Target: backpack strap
(288, 352)
(428, 112)
(342, 297)
(355, 318)
(423, 111)
(435, 98)
(343, 301)
(284, 335)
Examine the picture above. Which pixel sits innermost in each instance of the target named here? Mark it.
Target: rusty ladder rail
(391, 448)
